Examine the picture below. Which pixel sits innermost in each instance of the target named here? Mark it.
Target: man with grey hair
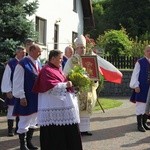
(69, 51)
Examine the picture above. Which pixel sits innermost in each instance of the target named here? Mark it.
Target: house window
(74, 36)
(74, 5)
(56, 34)
(41, 29)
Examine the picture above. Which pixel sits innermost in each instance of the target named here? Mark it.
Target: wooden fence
(122, 62)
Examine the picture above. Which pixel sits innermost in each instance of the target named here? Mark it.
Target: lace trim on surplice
(58, 116)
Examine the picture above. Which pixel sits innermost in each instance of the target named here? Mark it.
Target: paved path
(113, 130)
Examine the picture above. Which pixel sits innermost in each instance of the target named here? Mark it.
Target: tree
(113, 14)
(15, 27)
(132, 15)
(98, 13)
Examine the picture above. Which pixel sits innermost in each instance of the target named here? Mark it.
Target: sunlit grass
(107, 103)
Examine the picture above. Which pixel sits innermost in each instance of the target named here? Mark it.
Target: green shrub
(115, 42)
(138, 47)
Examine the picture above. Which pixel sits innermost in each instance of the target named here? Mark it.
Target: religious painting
(90, 63)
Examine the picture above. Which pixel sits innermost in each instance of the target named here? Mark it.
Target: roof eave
(88, 13)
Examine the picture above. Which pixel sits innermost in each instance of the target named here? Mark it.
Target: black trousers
(65, 137)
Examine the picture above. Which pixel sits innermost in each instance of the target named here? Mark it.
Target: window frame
(75, 5)
(41, 27)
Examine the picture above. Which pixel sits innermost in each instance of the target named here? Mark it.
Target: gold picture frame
(90, 63)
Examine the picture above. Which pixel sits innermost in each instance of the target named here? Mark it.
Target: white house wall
(70, 21)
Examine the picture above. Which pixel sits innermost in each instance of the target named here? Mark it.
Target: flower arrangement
(79, 78)
(90, 44)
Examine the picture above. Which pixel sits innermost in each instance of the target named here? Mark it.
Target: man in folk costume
(140, 82)
(25, 74)
(86, 100)
(6, 87)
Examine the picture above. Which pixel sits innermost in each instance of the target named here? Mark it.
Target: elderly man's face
(69, 52)
(35, 53)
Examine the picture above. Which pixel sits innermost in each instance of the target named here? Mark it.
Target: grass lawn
(107, 103)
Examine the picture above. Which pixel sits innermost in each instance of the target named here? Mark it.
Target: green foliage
(138, 47)
(6, 48)
(145, 36)
(100, 27)
(79, 78)
(112, 15)
(132, 15)
(115, 42)
(15, 27)
(31, 8)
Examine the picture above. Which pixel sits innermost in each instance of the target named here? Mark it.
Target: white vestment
(86, 100)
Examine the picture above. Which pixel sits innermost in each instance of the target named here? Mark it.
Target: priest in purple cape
(58, 114)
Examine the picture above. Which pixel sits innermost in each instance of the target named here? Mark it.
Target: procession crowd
(42, 95)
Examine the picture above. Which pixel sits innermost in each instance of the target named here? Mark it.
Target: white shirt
(18, 79)
(135, 76)
(6, 85)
